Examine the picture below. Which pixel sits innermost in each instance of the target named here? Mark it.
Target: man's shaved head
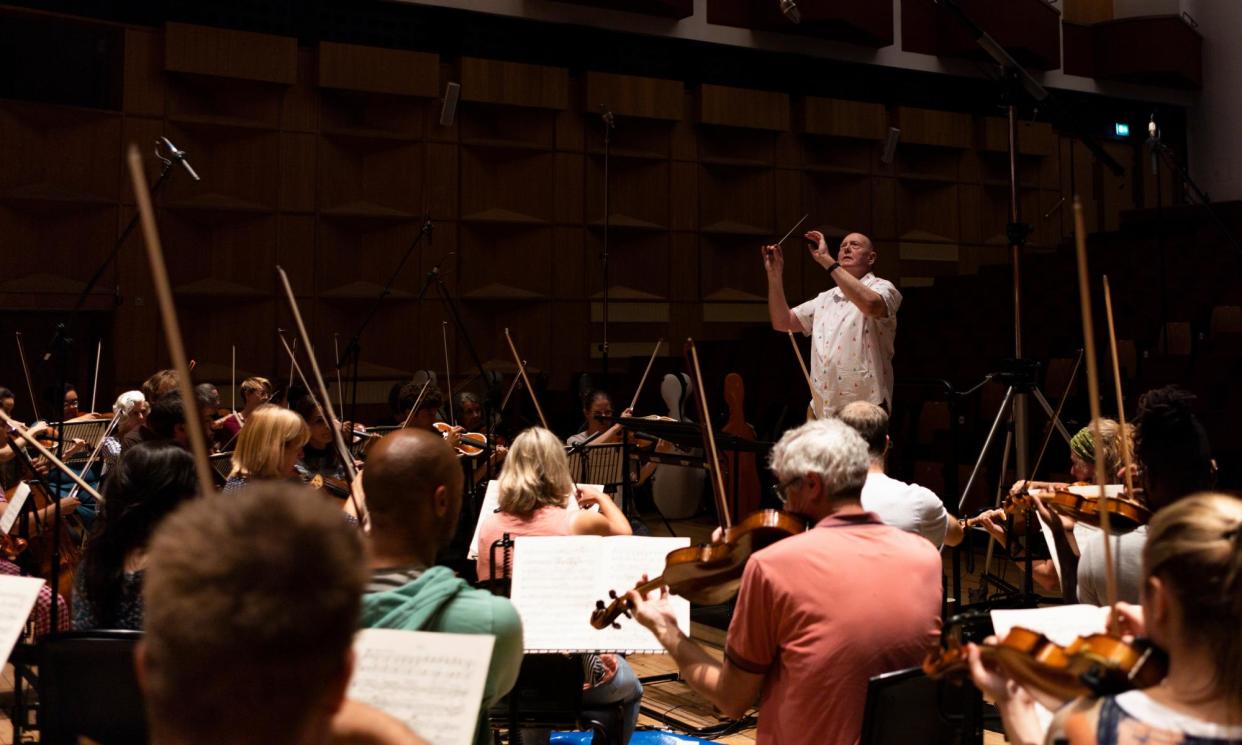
(401, 478)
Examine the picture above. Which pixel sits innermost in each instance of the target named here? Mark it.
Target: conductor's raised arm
(783, 319)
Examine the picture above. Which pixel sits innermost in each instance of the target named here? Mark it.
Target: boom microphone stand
(1017, 82)
(353, 349)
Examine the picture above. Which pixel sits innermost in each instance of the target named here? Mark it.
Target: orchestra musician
(149, 482)
(319, 455)
(255, 392)
(413, 489)
(596, 407)
(819, 613)
(268, 447)
(1192, 609)
(535, 489)
(278, 672)
(131, 411)
(910, 507)
(852, 326)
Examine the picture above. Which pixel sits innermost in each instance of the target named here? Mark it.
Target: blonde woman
(535, 489)
(269, 447)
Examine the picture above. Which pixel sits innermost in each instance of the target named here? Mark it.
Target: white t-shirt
(851, 353)
(913, 508)
(1127, 559)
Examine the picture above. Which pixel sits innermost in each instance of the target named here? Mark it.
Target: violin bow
(95, 385)
(290, 385)
(417, 401)
(51, 457)
(325, 400)
(1093, 395)
(643, 380)
(336, 360)
(21, 352)
(709, 438)
(1123, 434)
(817, 405)
(293, 361)
(448, 373)
(172, 330)
(517, 358)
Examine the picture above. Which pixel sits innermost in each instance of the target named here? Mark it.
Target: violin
(1126, 513)
(12, 547)
(1096, 664)
(468, 443)
(709, 574)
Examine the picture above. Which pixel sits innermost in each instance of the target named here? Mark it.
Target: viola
(468, 443)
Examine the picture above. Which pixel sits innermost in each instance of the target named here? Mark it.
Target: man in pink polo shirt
(820, 613)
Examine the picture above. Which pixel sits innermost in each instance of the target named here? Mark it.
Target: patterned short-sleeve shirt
(851, 352)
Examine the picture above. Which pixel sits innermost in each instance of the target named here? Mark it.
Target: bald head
(413, 486)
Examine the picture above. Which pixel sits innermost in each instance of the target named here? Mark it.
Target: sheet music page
(1046, 529)
(9, 518)
(1060, 623)
(557, 579)
(626, 559)
(491, 503)
(17, 598)
(433, 682)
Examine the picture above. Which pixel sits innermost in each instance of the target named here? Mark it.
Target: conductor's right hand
(773, 259)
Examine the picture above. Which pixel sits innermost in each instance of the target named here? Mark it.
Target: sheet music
(433, 682)
(1060, 623)
(557, 579)
(491, 504)
(1046, 529)
(17, 599)
(9, 518)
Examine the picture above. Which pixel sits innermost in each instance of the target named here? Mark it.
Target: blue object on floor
(641, 737)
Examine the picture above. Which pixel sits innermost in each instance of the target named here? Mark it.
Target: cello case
(677, 490)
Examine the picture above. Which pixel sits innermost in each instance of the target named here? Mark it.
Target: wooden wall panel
(144, 72)
(743, 107)
(830, 116)
(930, 127)
(244, 55)
(396, 72)
(627, 95)
(514, 84)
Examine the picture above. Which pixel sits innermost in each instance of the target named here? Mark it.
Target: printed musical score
(558, 579)
(17, 598)
(433, 682)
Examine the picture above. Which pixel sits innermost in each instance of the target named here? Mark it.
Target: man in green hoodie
(413, 487)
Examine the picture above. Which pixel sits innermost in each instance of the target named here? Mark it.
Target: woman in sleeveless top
(538, 497)
(1192, 609)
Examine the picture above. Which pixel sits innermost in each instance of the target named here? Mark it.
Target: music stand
(597, 464)
(221, 466)
(91, 431)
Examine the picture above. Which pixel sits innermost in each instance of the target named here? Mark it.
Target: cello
(709, 573)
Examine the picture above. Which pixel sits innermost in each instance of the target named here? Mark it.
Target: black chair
(88, 688)
(548, 695)
(906, 706)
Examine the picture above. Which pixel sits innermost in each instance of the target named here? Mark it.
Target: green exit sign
(1122, 129)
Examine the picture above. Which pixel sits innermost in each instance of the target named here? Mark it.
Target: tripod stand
(1020, 376)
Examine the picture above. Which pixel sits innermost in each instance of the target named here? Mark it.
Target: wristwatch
(834, 266)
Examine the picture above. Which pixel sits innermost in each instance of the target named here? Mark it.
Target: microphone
(790, 10)
(179, 156)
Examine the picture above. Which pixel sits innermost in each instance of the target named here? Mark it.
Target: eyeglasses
(781, 488)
